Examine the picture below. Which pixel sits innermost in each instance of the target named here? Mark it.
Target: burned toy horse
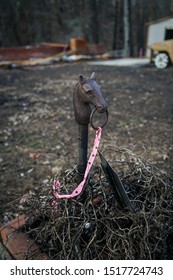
(87, 92)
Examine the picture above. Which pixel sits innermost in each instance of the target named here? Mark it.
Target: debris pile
(95, 225)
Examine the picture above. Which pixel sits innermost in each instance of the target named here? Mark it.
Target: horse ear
(81, 79)
(93, 76)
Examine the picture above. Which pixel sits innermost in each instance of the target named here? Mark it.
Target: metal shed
(159, 30)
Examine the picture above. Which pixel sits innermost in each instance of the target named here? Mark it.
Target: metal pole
(82, 150)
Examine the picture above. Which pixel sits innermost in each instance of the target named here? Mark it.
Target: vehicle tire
(161, 60)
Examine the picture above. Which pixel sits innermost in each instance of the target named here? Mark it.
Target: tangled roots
(95, 225)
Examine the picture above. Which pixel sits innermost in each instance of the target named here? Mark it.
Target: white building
(158, 31)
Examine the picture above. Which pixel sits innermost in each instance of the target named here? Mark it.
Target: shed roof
(159, 20)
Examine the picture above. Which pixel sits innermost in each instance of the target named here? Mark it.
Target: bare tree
(94, 21)
(126, 27)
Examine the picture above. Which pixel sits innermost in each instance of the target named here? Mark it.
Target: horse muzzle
(101, 108)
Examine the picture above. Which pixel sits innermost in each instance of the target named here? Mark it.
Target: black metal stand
(82, 151)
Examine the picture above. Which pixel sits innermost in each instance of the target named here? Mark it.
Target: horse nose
(102, 108)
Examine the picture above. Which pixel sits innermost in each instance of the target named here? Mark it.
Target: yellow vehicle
(162, 53)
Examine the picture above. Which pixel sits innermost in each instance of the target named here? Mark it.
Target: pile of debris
(97, 224)
(50, 53)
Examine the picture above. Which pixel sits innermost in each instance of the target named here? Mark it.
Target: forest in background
(118, 24)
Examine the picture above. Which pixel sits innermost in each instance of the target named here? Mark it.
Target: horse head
(87, 92)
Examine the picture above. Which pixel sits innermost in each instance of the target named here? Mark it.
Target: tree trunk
(115, 27)
(126, 27)
(94, 21)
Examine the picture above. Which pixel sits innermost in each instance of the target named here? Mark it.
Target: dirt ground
(38, 133)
